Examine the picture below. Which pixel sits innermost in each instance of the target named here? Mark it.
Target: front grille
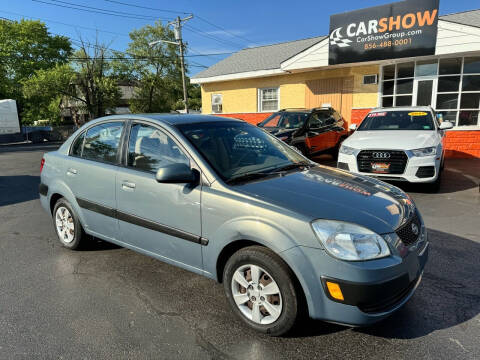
(425, 172)
(397, 160)
(388, 303)
(406, 232)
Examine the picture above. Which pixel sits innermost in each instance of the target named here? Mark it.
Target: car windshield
(398, 120)
(287, 120)
(236, 148)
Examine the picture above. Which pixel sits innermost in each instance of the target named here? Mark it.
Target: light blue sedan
(227, 200)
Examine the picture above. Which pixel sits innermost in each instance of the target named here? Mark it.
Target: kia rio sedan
(227, 200)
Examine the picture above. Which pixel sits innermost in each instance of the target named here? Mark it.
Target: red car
(311, 131)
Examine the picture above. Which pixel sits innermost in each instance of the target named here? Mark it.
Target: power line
(99, 10)
(146, 7)
(204, 34)
(62, 23)
(226, 31)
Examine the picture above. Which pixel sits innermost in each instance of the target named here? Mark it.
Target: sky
(217, 27)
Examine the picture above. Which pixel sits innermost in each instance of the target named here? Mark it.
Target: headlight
(429, 151)
(347, 150)
(348, 241)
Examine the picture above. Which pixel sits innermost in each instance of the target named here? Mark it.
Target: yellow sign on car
(417, 113)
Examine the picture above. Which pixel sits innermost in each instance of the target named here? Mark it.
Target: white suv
(402, 143)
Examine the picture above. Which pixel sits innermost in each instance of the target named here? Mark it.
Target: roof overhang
(452, 38)
(237, 76)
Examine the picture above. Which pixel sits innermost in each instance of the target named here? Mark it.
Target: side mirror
(446, 125)
(352, 127)
(176, 174)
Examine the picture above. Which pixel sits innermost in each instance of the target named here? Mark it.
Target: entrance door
(424, 92)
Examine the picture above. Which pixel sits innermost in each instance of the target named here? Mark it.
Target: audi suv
(400, 144)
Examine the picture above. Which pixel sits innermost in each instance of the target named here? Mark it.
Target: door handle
(72, 171)
(127, 185)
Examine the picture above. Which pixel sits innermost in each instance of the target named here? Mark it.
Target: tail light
(41, 165)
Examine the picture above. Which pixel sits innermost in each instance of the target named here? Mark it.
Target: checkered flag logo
(337, 39)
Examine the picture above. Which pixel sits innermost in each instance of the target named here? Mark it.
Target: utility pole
(177, 29)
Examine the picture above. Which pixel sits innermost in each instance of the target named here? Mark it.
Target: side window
(102, 141)
(77, 147)
(149, 148)
(273, 121)
(315, 121)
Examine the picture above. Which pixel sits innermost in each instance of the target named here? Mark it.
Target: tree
(85, 85)
(26, 46)
(155, 71)
(95, 81)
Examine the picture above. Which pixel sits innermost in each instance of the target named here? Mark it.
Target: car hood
(327, 193)
(392, 139)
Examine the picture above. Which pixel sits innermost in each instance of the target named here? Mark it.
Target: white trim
(465, 128)
(237, 76)
(289, 63)
(259, 99)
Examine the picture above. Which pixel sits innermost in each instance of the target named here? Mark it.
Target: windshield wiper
(293, 166)
(248, 177)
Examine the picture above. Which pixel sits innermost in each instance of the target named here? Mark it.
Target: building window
(450, 85)
(268, 99)
(217, 103)
(370, 79)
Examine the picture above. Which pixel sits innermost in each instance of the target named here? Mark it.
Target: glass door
(424, 92)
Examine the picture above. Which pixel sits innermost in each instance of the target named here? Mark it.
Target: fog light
(334, 290)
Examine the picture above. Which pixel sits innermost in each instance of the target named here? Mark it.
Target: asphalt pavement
(106, 302)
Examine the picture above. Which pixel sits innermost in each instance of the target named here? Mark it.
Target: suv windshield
(287, 120)
(398, 120)
(236, 148)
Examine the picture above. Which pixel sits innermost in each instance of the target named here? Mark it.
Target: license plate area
(381, 167)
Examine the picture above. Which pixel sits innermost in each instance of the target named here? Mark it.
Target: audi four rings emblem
(381, 155)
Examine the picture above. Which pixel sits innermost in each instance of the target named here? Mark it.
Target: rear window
(398, 120)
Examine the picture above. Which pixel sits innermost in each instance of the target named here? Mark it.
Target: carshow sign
(397, 30)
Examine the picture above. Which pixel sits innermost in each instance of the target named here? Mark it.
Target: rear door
(91, 173)
(163, 219)
(322, 131)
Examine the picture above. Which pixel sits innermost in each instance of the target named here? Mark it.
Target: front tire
(260, 287)
(67, 226)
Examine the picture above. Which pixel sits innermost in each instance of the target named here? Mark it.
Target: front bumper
(414, 170)
(372, 290)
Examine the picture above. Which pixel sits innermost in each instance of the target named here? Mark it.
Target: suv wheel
(67, 226)
(260, 288)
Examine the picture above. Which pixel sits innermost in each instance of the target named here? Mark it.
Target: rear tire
(67, 226)
(261, 290)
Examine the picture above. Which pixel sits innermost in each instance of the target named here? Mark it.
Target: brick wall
(463, 144)
(251, 118)
(459, 144)
(358, 115)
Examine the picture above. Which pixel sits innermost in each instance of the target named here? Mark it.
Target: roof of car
(404, 108)
(173, 119)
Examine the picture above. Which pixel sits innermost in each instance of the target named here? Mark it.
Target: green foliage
(45, 91)
(155, 71)
(96, 86)
(26, 46)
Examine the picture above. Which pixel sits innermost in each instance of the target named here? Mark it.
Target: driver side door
(159, 218)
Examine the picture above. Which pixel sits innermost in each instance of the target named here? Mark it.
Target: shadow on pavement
(449, 294)
(18, 189)
(46, 146)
